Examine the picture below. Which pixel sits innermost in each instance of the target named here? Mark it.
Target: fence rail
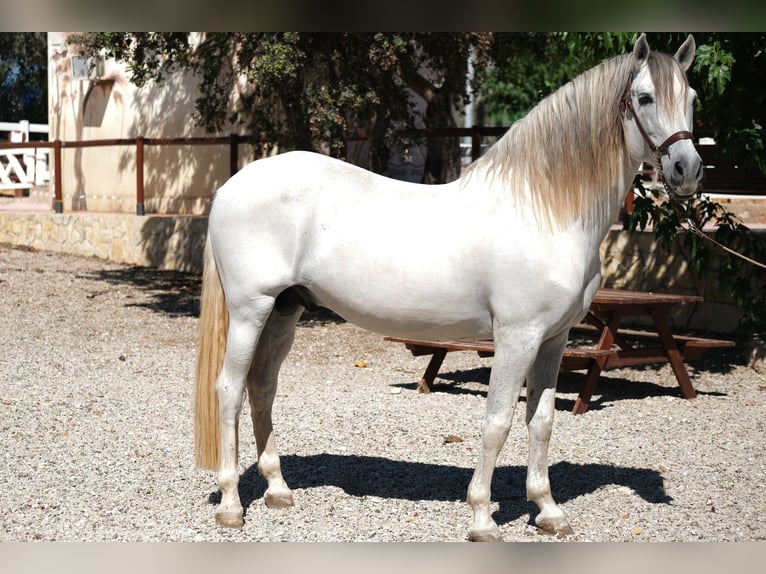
(139, 142)
(20, 169)
(19, 131)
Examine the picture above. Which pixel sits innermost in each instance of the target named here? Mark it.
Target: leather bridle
(626, 103)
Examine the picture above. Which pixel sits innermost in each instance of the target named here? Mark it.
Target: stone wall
(636, 261)
(630, 260)
(156, 241)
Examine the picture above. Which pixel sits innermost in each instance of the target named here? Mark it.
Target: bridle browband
(626, 103)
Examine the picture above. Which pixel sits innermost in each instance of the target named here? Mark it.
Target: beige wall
(177, 179)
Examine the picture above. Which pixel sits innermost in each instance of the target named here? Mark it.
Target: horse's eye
(645, 99)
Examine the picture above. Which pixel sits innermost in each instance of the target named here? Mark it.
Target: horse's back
(300, 173)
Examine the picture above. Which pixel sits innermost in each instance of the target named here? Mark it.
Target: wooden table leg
(591, 380)
(608, 336)
(674, 354)
(601, 325)
(425, 384)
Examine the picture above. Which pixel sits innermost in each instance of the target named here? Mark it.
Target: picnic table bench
(614, 347)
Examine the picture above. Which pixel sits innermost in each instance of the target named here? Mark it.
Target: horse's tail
(213, 328)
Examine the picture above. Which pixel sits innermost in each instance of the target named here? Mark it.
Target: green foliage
(731, 85)
(727, 74)
(525, 68)
(303, 90)
(718, 63)
(150, 56)
(528, 66)
(23, 77)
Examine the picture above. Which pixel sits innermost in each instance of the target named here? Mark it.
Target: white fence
(23, 168)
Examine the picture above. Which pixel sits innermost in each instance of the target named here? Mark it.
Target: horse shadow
(170, 292)
(386, 478)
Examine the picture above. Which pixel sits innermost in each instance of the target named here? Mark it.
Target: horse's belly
(424, 330)
(406, 313)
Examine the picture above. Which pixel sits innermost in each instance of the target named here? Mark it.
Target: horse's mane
(569, 149)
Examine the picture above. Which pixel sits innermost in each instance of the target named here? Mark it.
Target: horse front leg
(541, 402)
(509, 369)
(273, 346)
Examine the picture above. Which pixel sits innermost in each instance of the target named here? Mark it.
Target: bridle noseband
(626, 103)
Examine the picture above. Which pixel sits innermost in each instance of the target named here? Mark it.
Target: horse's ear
(640, 51)
(685, 54)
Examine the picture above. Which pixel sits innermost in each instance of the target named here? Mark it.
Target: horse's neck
(603, 216)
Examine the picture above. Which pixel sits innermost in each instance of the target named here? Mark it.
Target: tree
(727, 74)
(524, 68)
(731, 92)
(24, 77)
(307, 90)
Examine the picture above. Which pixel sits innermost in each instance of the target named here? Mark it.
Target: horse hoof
(554, 527)
(282, 500)
(229, 519)
(492, 535)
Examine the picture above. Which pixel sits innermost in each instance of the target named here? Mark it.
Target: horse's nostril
(679, 168)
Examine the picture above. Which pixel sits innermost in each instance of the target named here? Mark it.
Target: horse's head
(658, 104)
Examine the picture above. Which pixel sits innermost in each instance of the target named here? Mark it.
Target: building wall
(177, 179)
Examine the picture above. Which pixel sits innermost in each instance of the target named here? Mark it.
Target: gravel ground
(96, 371)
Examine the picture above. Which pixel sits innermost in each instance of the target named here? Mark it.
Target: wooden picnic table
(614, 346)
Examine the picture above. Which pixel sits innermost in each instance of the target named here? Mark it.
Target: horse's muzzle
(682, 172)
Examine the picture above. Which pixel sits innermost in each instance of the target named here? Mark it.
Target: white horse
(509, 251)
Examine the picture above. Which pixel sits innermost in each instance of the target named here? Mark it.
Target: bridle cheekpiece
(626, 103)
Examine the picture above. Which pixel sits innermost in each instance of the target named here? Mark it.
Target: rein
(681, 208)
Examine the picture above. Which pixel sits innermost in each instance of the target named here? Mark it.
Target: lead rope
(682, 210)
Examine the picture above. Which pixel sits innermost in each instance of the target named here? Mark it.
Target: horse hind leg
(541, 397)
(274, 344)
(243, 334)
